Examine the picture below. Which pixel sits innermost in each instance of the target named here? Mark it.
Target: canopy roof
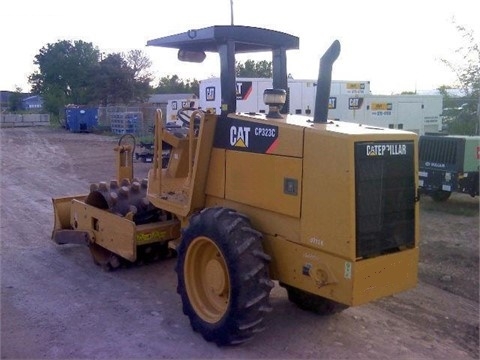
(246, 39)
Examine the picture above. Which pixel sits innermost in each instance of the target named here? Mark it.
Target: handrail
(191, 136)
(155, 182)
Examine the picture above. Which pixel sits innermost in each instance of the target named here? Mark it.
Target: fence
(24, 120)
(135, 120)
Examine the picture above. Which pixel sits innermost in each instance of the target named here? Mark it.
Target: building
(34, 102)
(4, 96)
(29, 102)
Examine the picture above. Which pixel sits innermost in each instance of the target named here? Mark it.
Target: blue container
(81, 119)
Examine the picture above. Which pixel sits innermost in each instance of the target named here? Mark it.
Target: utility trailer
(449, 164)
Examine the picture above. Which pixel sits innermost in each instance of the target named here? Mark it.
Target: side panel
(328, 207)
(469, 181)
(265, 181)
(216, 174)
(472, 154)
(108, 230)
(348, 282)
(310, 269)
(384, 275)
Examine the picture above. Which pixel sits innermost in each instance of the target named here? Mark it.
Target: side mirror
(191, 56)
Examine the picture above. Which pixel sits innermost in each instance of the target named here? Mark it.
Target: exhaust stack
(324, 82)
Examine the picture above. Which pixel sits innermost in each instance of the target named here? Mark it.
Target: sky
(396, 45)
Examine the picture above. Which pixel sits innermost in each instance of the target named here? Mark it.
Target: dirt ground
(56, 304)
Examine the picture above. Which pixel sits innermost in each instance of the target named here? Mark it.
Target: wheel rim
(206, 279)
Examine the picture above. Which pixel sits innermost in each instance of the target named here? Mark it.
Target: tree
(15, 100)
(173, 84)
(253, 69)
(114, 81)
(465, 119)
(73, 73)
(142, 77)
(65, 73)
(122, 78)
(139, 63)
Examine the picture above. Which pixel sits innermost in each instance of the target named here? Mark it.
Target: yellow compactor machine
(326, 208)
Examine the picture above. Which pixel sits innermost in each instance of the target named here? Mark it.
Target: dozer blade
(63, 237)
(62, 230)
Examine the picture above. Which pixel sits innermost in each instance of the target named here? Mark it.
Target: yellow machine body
(309, 229)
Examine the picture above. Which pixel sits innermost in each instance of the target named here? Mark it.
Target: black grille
(385, 197)
(441, 152)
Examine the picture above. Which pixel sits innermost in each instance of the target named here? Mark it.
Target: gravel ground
(56, 304)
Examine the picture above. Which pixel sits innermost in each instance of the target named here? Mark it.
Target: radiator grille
(441, 152)
(385, 197)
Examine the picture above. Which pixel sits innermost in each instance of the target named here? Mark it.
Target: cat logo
(355, 103)
(239, 136)
(210, 93)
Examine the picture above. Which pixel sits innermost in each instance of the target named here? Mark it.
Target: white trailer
(418, 113)
(350, 101)
(173, 106)
(250, 93)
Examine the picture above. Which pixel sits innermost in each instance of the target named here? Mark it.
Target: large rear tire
(223, 276)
